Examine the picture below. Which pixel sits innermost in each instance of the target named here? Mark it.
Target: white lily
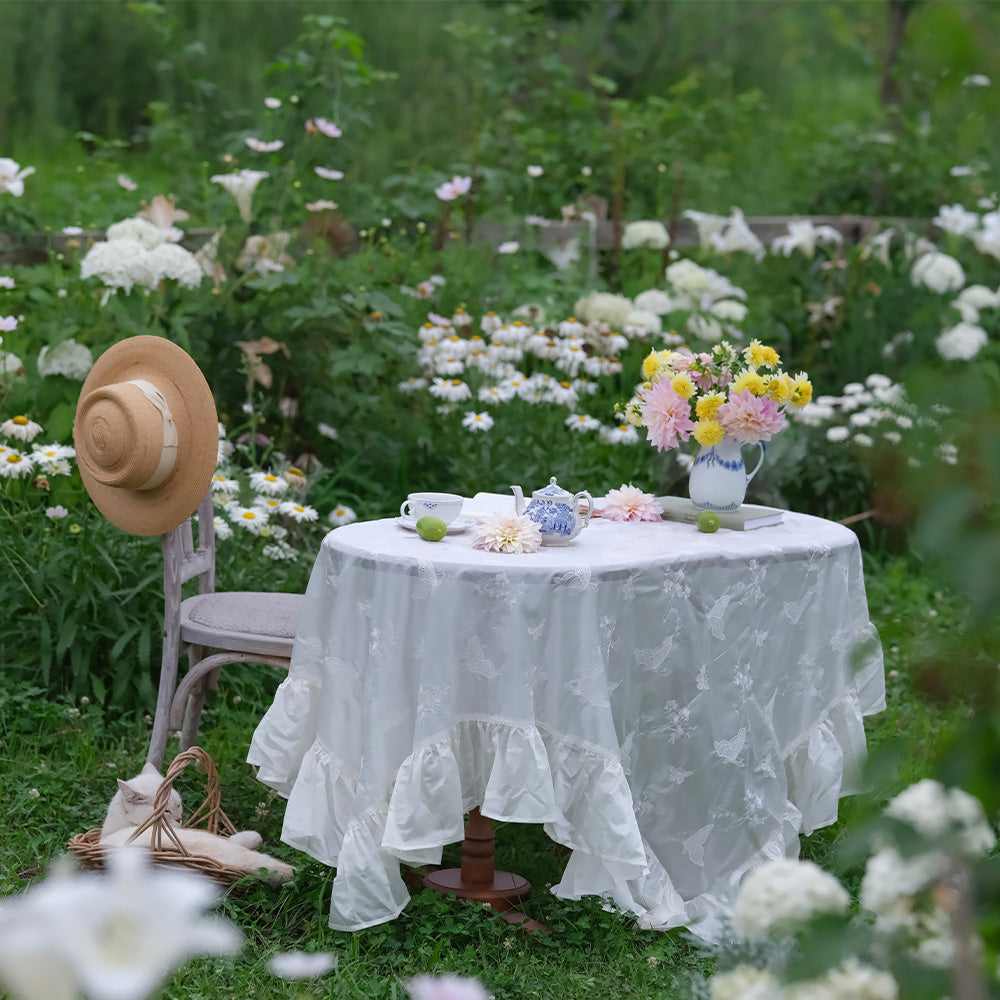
(12, 176)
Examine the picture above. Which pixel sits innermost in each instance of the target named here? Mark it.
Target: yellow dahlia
(708, 432)
(705, 408)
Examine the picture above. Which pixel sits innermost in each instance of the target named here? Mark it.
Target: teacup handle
(760, 462)
(403, 512)
(583, 494)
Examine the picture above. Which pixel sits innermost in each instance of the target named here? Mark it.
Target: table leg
(477, 878)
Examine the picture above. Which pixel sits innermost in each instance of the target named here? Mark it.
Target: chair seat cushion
(255, 621)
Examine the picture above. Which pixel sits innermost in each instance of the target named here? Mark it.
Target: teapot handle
(590, 504)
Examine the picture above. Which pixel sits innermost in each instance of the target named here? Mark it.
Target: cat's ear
(151, 769)
(130, 795)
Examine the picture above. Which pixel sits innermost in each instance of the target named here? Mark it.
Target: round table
(674, 707)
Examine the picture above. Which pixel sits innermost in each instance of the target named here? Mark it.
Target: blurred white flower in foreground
(302, 964)
(112, 935)
(446, 988)
(780, 895)
(12, 176)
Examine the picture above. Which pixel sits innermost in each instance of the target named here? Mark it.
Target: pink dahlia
(666, 416)
(630, 504)
(750, 418)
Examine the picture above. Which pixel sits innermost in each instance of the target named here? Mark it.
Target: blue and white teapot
(555, 511)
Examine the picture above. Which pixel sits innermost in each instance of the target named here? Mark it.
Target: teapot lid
(553, 490)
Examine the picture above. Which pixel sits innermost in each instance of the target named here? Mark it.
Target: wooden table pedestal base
(478, 878)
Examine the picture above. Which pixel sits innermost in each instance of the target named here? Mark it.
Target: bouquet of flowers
(739, 393)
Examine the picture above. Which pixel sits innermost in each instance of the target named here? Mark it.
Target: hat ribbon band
(169, 453)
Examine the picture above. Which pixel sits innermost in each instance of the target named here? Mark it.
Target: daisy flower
(504, 532)
(14, 465)
(229, 487)
(268, 483)
(342, 515)
(21, 428)
(298, 512)
(581, 422)
(623, 433)
(629, 503)
(56, 513)
(477, 421)
(251, 519)
(270, 505)
(46, 453)
(454, 390)
(327, 174)
(223, 529)
(327, 431)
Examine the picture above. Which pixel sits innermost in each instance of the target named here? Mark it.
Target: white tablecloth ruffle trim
(514, 771)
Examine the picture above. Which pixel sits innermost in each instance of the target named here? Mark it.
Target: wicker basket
(165, 846)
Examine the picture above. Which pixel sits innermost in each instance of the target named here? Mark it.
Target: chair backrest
(182, 561)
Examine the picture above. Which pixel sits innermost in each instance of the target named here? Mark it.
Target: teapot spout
(518, 500)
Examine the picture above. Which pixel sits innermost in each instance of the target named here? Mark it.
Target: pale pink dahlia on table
(750, 418)
(666, 416)
(629, 503)
(502, 532)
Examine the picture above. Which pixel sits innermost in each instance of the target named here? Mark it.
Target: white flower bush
(780, 895)
(907, 906)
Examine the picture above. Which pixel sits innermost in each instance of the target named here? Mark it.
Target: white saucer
(456, 527)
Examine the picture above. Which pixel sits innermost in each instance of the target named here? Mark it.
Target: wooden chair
(213, 628)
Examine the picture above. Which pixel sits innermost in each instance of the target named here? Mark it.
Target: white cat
(132, 805)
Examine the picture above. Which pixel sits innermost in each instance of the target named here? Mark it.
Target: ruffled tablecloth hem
(519, 772)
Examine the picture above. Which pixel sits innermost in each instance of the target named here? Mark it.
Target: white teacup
(446, 506)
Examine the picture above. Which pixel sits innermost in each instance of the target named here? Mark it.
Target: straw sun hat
(146, 435)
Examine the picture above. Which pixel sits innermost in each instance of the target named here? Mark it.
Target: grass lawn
(59, 762)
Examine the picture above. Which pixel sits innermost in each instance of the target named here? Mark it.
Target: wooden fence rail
(34, 248)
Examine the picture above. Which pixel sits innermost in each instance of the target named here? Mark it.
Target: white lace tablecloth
(675, 707)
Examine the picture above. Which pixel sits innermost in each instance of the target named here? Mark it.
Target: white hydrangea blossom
(934, 811)
(961, 342)
(655, 301)
(851, 980)
(613, 309)
(646, 233)
(779, 895)
(68, 358)
(141, 230)
(120, 263)
(169, 260)
(745, 982)
(938, 272)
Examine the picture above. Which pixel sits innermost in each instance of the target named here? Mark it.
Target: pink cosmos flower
(629, 503)
(324, 126)
(666, 416)
(750, 418)
(452, 189)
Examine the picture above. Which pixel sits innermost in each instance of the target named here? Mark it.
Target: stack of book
(746, 517)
